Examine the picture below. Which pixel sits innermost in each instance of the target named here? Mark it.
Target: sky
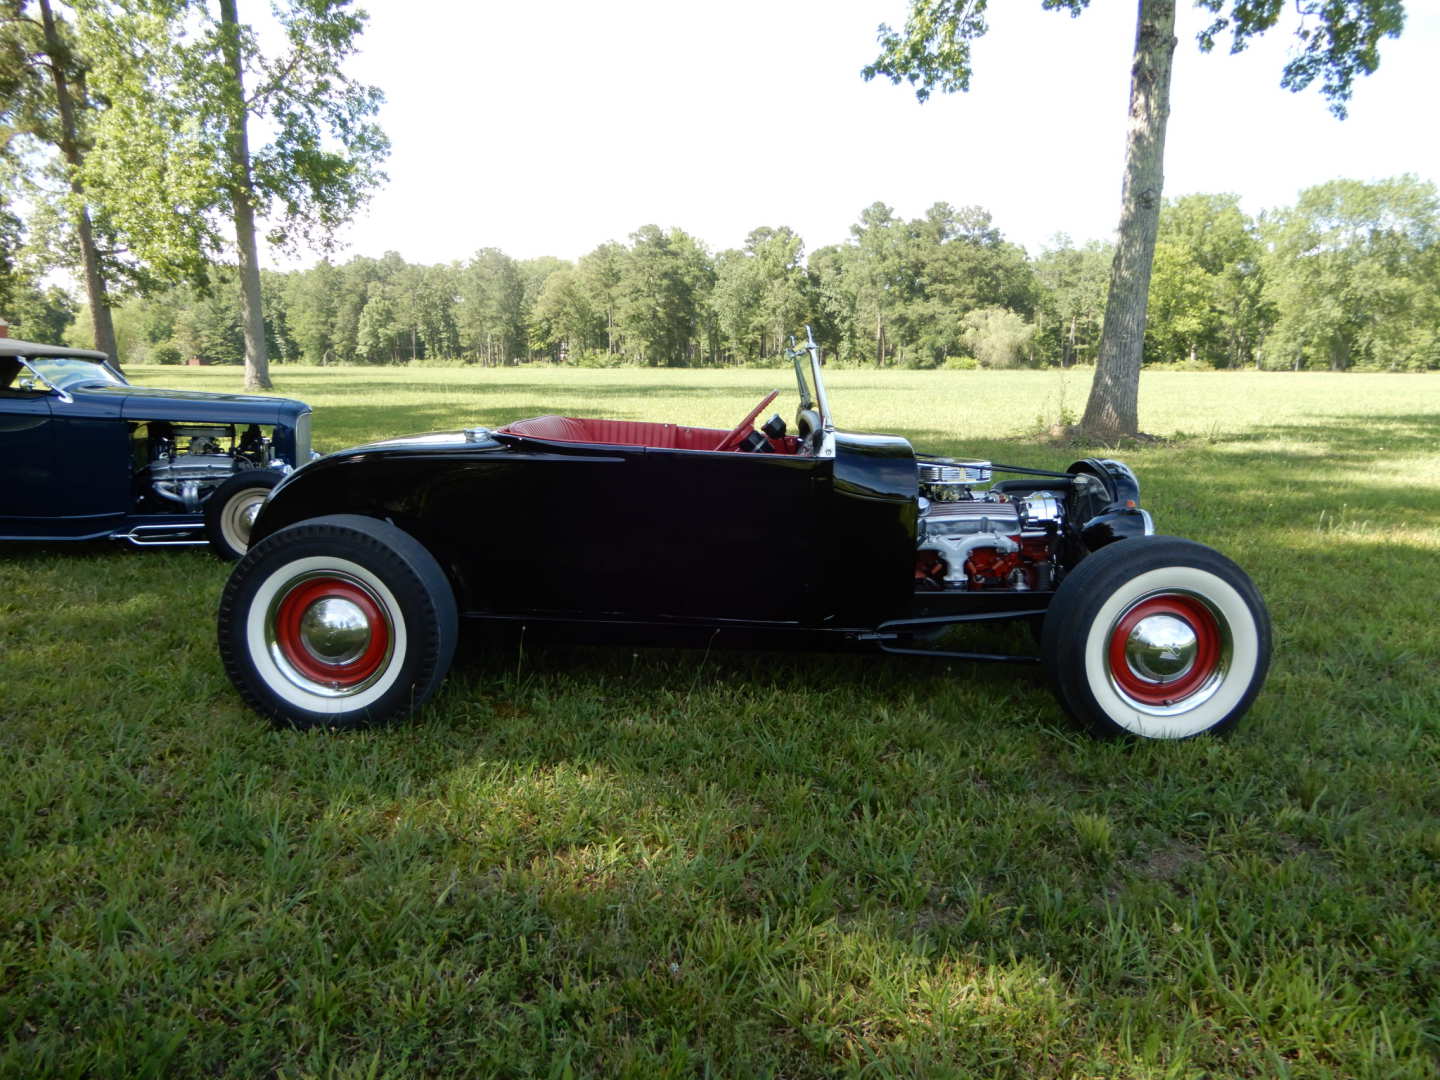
(550, 128)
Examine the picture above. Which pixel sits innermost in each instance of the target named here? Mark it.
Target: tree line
(1348, 277)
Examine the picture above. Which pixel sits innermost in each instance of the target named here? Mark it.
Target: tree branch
(273, 82)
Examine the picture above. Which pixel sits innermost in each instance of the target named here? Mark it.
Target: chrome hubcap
(248, 514)
(330, 633)
(335, 631)
(1161, 648)
(1168, 652)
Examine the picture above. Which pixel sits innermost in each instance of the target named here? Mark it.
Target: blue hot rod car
(89, 456)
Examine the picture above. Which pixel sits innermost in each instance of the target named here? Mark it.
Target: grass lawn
(603, 862)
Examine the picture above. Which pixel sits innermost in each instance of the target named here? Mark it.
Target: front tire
(1156, 637)
(231, 509)
(339, 621)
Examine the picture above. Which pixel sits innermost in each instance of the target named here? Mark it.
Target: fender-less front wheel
(337, 621)
(1157, 637)
(232, 508)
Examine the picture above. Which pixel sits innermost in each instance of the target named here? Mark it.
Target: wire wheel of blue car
(1156, 637)
(338, 621)
(232, 508)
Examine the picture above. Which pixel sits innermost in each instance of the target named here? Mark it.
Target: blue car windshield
(63, 372)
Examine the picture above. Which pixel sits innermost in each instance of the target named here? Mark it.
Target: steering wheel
(732, 440)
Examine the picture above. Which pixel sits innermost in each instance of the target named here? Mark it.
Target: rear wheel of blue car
(339, 621)
(1156, 637)
(232, 508)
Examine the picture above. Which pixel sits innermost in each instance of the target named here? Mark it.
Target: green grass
(603, 862)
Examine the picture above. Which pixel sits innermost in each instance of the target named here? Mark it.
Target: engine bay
(969, 538)
(178, 465)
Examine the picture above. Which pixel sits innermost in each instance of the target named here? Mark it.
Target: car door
(600, 532)
(67, 463)
(535, 528)
(731, 536)
(27, 462)
(93, 462)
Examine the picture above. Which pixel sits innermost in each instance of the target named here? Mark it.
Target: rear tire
(339, 621)
(1156, 637)
(231, 509)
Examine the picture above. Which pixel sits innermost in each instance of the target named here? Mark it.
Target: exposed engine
(987, 539)
(184, 463)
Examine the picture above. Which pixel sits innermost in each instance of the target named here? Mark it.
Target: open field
(602, 862)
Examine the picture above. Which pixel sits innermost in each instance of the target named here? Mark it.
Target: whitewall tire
(337, 621)
(1156, 637)
(232, 508)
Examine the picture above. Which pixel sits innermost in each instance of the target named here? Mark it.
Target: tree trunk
(1339, 354)
(1113, 407)
(252, 318)
(100, 320)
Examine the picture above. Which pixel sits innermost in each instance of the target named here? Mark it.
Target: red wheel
(331, 631)
(1157, 637)
(1167, 648)
(337, 621)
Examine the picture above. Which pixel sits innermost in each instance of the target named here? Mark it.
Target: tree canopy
(162, 159)
(126, 122)
(172, 158)
(1338, 40)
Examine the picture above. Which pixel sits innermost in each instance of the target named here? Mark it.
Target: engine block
(984, 540)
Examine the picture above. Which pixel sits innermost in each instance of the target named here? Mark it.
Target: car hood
(157, 403)
(429, 440)
(431, 444)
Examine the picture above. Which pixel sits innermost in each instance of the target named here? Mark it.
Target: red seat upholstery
(615, 432)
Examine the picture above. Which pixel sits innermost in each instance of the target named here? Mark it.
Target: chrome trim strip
(141, 542)
(137, 536)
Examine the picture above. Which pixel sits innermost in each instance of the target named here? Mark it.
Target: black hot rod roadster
(345, 610)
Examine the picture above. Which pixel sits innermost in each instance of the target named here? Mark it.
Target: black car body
(344, 610)
(89, 456)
